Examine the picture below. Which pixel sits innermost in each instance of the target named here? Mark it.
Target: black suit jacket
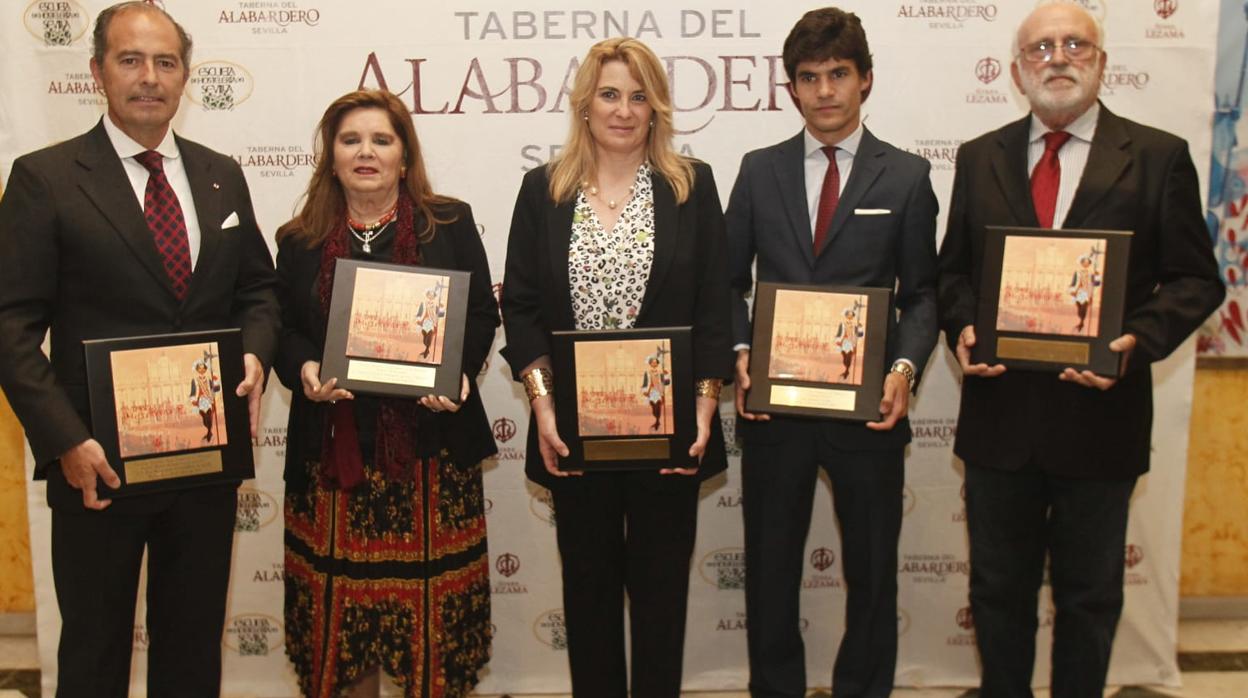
(769, 223)
(457, 245)
(1139, 179)
(77, 257)
(688, 285)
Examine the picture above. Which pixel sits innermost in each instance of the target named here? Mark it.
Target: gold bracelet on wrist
(538, 382)
(709, 387)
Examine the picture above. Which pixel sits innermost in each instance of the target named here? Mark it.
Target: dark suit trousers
(95, 566)
(778, 491)
(1014, 518)
(622, 532)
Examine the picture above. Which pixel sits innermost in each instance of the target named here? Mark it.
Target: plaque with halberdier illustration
(396, 330)
(624, 399)
(1051, 299)
(164, 410)
(818, 351)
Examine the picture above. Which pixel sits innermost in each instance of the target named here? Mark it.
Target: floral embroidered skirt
(392, 575)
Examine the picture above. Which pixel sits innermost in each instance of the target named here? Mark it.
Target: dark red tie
(164, 217)
(1046, 178)
(828, 197)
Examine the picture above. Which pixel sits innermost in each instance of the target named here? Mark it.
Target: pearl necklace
(367, 232)
(593, 191)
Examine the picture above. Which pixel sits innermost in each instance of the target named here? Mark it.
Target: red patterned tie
(1046, 178)
(164, 217)
(828, 197)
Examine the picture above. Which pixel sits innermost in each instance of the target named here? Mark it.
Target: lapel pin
(216, 186)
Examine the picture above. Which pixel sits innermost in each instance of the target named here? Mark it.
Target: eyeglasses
(1075, 49)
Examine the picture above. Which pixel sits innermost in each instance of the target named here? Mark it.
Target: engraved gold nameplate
(393, 374)
(1056, 351)
(170, 467)
(626, 449)
(815, 398)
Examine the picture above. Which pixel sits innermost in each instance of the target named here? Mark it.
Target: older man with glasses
(1052, 458)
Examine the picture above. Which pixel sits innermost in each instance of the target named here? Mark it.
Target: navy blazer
(688, 285)
(769, 225)
(1139, 179)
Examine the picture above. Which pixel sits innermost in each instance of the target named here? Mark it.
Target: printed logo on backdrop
(80, 88)
(269, 17)
(487, 505)
(724, 569)
(731, 444)
(256, 509)
(1119, 77)
(56, 22)
(737, 623)
(727, 500)
(504, 430)
(1132, 558)
(929, 568)
(990, 90)
(966, 624)
(903, 622)
(542, 504)
(507, 565)
(936, 432)
(908, 500)
(948, 14)
(219, 85)
(1164, 9)
(276, 161)
(702, 86)
(823, 561)
(275, 572)
(550, 629)
(271, 438)
(942, 154)
(141, 639)
(253, 634)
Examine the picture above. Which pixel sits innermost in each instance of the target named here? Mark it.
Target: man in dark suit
(832, 205)
(129, 230)
(1051, 459)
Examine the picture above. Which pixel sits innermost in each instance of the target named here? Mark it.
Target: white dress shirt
(1072, 157)
(816, 166)
(127, 148)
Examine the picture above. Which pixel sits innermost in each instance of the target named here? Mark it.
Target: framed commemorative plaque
(164, 410)
(396, 330)
(818, 351)
(624, 399)
(1051, 299)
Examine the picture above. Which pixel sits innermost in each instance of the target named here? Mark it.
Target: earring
(585, 115)
(402, 172)
(652, 123)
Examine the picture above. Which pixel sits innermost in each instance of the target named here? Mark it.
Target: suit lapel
(559, 233)
(1009, 164)
(108, 187)
(868, 165)
(1107, 160)
(790, 170)
(207, 194)
(666, 220)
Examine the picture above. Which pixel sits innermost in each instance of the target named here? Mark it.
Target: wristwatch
(905, 369)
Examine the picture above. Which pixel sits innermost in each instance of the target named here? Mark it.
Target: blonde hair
(325, 203)
(578, 159)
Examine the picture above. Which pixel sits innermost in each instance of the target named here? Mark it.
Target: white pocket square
(231, 221)
(872, 211)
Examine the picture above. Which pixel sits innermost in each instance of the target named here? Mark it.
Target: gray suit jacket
(768, 223)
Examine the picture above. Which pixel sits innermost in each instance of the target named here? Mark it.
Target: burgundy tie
(828, 197)
(1046, 178)
(164, 217)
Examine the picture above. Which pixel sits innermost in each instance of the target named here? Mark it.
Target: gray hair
(1096, 22)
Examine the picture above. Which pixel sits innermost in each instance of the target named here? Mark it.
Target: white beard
(1069, 102)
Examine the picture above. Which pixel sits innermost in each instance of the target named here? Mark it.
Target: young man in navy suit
(832, 205)
(129, 230)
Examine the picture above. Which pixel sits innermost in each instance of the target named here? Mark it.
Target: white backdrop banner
(487, 84)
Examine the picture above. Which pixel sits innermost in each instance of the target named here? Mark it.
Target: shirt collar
(849, 144)
(127, 147)
(1082, 128)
